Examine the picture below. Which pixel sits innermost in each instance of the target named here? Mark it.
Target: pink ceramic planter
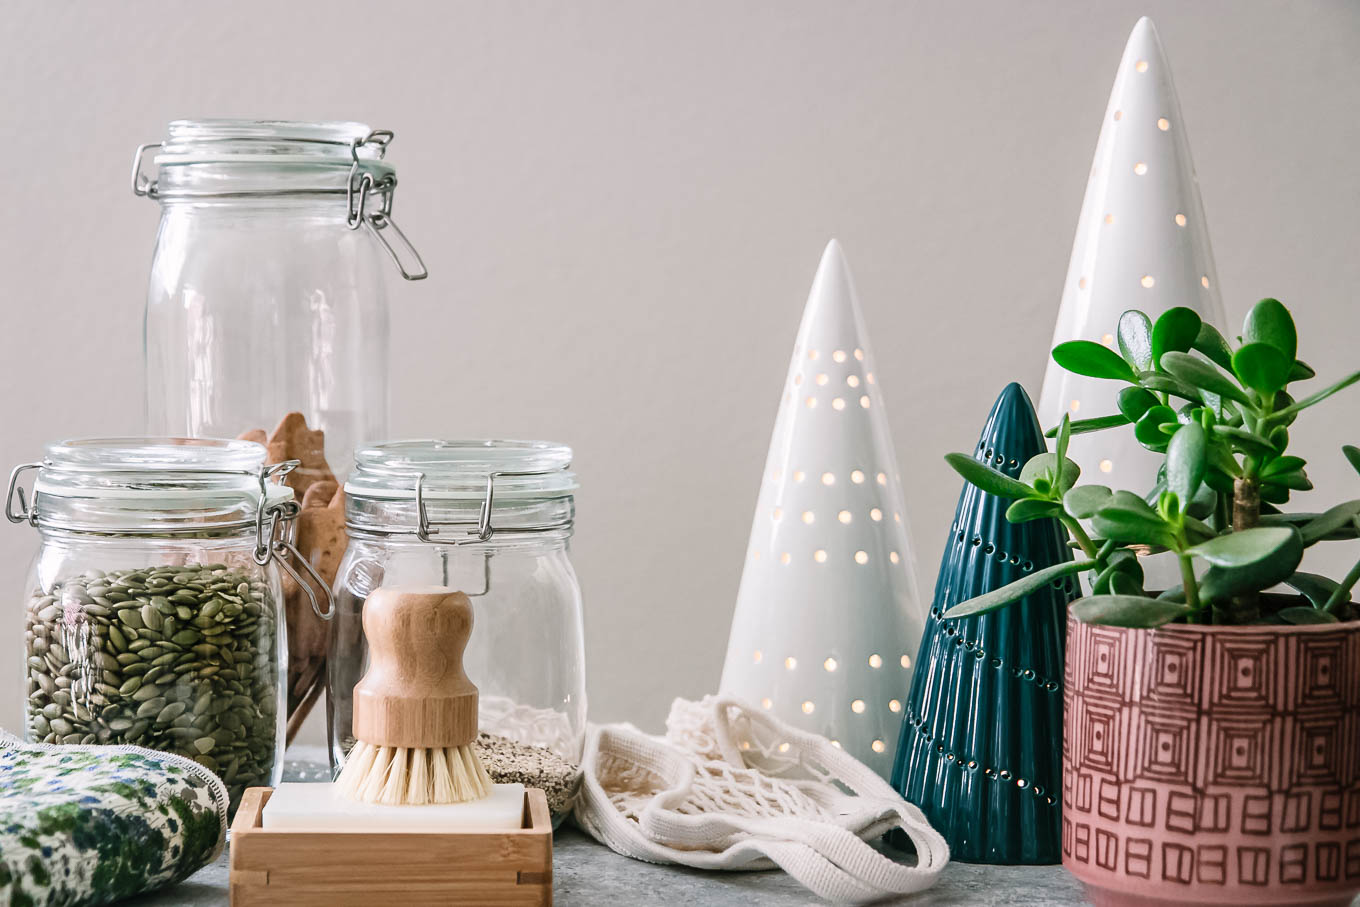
(1213, 765)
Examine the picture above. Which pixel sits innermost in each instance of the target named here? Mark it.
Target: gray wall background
(622, 205)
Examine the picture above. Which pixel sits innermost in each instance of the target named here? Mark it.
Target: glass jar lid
(230, 157)
(458, 491)
(148, 485)
(227, 162)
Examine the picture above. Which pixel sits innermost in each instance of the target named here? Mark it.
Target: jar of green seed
(152, 610)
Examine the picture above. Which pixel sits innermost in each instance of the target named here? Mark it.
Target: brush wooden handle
(414, 693)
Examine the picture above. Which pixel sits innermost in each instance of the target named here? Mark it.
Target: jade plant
(1221, 418)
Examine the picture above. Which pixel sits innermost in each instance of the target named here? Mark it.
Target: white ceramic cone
(827, 619)
(1142, 242)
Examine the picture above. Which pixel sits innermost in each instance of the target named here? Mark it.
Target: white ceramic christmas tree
(1142, 243)
(827, 619)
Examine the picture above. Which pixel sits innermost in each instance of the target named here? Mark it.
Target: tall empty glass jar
(267, 291)
(492, 519)
(153, 607)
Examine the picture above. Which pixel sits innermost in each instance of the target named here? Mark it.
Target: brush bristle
(411, 776)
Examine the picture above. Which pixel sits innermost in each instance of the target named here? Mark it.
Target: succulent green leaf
(1045, 467)
(1297, 481)
(1301, 371)
(1130, 501)
(1027, 509)
(1211, 343)
(1283, 464)
(1136, 525)
(1135, 340)
(1165, 384)
(1126, 562)
(1134, 611)
(1175, 330)
(1245, 441)
(1084, 500)
(1245, 547)
(1262, 368)
(1123, 584)
(1283, 401)
(1352, 455)
(1300, 614)
(1197, 531)
(986, 478)
(1083, 426)
(1317, 589)
(1200, 373)
(1273, 494)
(1094, 360)
(1030, 582)
(1148, 430)
(1186, 461)
(1064, 436)
(1222, 583)
(1269, 322)
(1219, 480)
(1169, 506)
(1286, 415)
(1203, 503)
(1134, 401)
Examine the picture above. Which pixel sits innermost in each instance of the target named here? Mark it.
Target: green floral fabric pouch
(83, 825)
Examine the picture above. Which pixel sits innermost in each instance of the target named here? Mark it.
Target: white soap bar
(298, 806)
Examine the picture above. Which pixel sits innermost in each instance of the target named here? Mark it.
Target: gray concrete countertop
(587, 873)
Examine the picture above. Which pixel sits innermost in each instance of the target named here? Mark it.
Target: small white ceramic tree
(1142, 243)
(827, 619)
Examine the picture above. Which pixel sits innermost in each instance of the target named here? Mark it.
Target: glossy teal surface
(981, 744)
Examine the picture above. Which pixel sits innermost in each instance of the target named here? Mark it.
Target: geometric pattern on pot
(1213, 764)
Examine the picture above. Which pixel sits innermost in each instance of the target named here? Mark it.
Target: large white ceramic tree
(827, 618)
(1142, 243)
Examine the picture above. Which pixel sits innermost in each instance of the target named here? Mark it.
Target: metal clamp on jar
(153, 613)
(492, 519)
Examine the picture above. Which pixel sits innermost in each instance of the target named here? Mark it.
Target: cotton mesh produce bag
(730, 787)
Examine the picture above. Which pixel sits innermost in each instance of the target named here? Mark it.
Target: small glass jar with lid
(492, 519)
(153, 606)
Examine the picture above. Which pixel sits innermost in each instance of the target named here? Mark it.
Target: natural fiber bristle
(411, 776)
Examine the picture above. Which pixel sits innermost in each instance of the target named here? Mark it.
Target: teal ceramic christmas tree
(981, 744)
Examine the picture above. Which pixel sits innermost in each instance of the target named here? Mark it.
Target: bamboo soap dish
(287, 868)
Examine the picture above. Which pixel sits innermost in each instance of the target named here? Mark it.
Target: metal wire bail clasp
(143, 185)
(26, 513)
(275, 528)
(483, 530)
(360, 186)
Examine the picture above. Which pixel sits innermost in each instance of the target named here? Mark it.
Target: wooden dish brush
(415, 711)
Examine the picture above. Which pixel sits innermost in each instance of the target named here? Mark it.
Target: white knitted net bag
(732, 787)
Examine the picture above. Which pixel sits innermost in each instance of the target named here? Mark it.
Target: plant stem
(1246, 502)
(1222, 512)
(1246, 608)
(1342, 593)
(1188, 583)
(1078, 534)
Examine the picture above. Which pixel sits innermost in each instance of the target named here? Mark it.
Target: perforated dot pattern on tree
(981, 747)
(827, 617)
(1142, 242)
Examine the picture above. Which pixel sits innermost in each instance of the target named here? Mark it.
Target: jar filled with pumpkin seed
(152, 611)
